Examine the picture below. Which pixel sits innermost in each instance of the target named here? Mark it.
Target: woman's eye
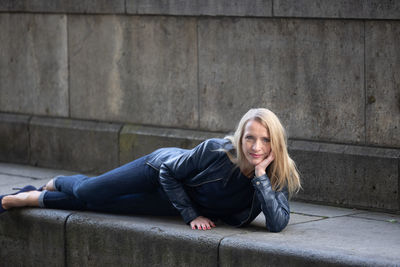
(266, 140)
(249, 137)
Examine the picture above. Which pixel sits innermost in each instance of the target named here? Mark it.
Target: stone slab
(32, 237)
(85, 146)
(337, 241)
(259, 222)
(319, 210)
(136, 141)
(307, 71)
(382, 40)
(99, 240)
(349, 9)
(379, 216)
(34, 64)
(31, 172)
(64, 6)
(346, 175)
(146, 69)
(201, 7)
(17, 176)
(14, 138)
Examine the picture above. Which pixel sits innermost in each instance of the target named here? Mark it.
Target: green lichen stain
(371, 99)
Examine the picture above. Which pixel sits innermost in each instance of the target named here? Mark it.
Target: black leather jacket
(208, 163)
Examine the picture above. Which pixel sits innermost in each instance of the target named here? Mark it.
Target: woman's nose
(256, 145)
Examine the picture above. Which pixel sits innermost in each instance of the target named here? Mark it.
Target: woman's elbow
(278, 225)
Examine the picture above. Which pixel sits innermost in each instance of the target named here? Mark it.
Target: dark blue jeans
(133, 188)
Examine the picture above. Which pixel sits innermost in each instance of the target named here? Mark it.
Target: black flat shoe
(1, 206)
(26, 188)
(21, 190)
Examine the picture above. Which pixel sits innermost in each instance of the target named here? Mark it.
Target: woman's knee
(85, 192)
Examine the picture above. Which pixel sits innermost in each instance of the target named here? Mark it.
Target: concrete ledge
(346, 175)
(63, 238)
(137, 141)
(14, 138)
(75, 145)
(344, 9)
(32, 238)
(253, 8)
(64, 6)
(316, 236)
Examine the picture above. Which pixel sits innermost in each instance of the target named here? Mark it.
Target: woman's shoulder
(219, 143)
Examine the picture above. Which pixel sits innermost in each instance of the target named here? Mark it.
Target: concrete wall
(88, 85)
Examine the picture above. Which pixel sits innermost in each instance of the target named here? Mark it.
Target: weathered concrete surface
(98, 240)
(201, 7)
(356, 9)
(74, 145)
(383, 83)
(64, 6)
(307, 71)
(379, 216)
(14, 138)
(136, 141)
(316, 235)
(348, 175)
(337, 241)
(319, 210)
(34, 64)
(17, 176)
(32, 237)
(134, 69)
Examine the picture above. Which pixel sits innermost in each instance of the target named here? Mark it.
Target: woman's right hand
(202, 223)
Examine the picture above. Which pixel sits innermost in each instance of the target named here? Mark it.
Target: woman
(231, 179)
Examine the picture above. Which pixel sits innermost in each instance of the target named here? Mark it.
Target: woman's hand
(202, 223)
(260, 168)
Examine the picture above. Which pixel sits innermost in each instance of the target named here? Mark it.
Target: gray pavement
(316, 234)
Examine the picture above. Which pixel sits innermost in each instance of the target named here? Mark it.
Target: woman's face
(256, 144)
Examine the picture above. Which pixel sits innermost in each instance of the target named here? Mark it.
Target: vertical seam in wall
(29, 140)
(272, 8)
(65, 239)
(218, 248)
(68, 68)
(119, 145)
(198, 74)
(365, 87)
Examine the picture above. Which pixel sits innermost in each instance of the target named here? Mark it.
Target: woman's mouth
(256, 156)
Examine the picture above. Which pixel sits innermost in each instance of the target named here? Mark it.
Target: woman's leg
(116, 190)
(153, 203)
(133, 177)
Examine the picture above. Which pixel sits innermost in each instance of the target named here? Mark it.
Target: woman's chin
(254, 162)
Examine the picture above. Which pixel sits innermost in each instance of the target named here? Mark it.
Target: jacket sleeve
(174, 172)
(274, 204)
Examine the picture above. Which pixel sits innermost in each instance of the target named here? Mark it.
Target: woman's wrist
(259, 173)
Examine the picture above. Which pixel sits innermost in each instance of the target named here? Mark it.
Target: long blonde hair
(282, 171)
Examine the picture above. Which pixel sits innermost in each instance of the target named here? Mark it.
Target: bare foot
(25, 199)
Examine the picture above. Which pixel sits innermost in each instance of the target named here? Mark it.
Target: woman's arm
(275, 205)
(175, 171)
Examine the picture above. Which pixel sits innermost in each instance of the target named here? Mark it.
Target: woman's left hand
(202, 223)
(260, 168)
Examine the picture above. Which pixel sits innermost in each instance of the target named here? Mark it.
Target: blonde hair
(282, 171)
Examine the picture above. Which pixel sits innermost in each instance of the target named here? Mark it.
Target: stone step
(317, 235)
